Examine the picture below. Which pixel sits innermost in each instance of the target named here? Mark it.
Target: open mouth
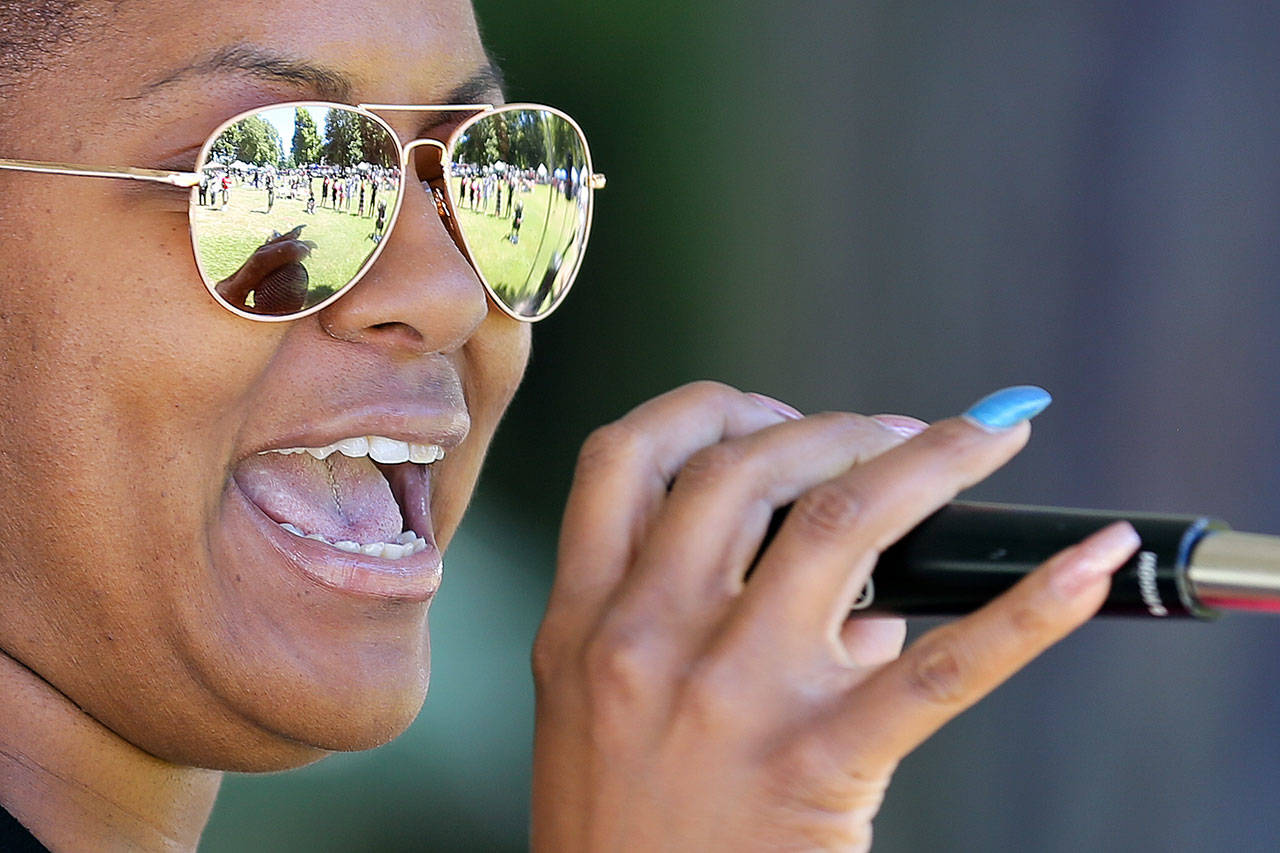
(367, 495)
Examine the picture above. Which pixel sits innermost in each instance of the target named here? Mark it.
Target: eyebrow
(326, 83)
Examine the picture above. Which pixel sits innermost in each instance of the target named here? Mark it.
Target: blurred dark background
(897, 207)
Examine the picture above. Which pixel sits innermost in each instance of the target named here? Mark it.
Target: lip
(414, 578)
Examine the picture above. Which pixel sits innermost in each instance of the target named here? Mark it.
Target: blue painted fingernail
(1008, 406)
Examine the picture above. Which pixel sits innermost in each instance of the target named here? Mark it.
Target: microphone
(283, 290)
(966, 554)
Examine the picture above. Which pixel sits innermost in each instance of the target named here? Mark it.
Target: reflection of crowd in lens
(214, 189)
(349, 190)
(492, 190)
(483, 191)
(489, 188)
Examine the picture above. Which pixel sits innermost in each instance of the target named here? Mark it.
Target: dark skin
(138, 391)
(154, 632)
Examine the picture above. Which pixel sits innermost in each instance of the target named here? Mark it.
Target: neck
(78, 786)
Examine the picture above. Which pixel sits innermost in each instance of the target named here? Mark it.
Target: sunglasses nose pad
(446, 213)
(426, 159)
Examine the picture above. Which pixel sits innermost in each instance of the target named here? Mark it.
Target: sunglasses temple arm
(177, 179)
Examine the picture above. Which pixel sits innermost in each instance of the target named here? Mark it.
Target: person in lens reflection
(379, 224)
(516, 220)
(159, 625)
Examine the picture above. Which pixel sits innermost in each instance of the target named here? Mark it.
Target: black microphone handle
(966, 554)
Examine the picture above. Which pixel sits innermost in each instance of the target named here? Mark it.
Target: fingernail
(1008, 406)
(777, 405)
(901, 424)
(1096, 557)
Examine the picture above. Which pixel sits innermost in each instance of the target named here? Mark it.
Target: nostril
(397, 328)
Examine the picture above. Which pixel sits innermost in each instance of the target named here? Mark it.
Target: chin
(287, 668)
(304, 735)
(294, 719)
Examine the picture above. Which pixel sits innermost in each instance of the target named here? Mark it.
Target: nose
(420, 296)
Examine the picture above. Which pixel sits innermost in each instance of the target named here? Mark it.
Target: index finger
(829, 542)
(948, 670)
(624, 472)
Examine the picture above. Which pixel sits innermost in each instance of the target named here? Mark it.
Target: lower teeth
(406, 545)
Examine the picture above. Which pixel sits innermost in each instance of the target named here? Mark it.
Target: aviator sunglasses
(292, 203)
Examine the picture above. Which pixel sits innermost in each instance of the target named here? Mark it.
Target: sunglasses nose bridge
(414, 144)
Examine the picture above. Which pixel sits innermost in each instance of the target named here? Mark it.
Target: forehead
(146, 57)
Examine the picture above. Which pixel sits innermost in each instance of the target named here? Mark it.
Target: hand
(681, 708)
(276, 253)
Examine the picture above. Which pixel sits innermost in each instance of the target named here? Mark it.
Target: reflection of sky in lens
(282, 120)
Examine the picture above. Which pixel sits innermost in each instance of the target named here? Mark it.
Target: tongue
(340, 498)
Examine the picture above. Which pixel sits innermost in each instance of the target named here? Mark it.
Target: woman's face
(144, 571)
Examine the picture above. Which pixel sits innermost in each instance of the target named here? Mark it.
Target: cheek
(115, 322)
(122, 359)
(500, 355)
(495, 360)
(124, 385)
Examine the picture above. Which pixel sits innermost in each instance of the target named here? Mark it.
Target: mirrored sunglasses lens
(292, 203)
(522, 197)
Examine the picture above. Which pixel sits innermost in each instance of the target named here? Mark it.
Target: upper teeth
(389, 451)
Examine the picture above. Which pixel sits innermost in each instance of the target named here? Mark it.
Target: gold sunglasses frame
(594, 182)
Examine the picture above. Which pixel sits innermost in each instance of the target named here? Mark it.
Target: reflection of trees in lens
(376, 144)
(342, 138)
(478, 146)
(351, 139)
(567, 144)
(306, 138)
(525, 139)
(252, 140)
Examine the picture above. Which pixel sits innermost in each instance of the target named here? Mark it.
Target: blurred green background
(896, 207)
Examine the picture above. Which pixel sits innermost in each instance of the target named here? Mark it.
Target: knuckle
(829, 828)
(619, 664)
(710, 698)
(850, 422)
(949, 441)
(544, 658)
(851, 427)
(937, 674)
(610, 444)
(830, 510)
(708, 391)
(1030, 622)
(808, 757)
(712, 465)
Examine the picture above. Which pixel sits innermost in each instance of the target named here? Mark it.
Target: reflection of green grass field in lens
(229, 236)
(516, 271)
